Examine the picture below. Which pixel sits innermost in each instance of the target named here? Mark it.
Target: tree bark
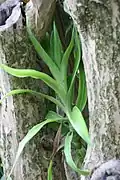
(98, 23)
(19, 113)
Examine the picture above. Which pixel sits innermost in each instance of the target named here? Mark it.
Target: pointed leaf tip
(79, 124)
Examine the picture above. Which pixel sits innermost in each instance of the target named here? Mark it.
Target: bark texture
(19, 113)
(98, 23)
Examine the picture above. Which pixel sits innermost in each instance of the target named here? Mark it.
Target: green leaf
(78, 123)
(38, 94)
(45, 43)
(68, 156)
(82, 90)
(53, 115)
(50, 171)
(51, 45)
(45, 57)
(77, 55)
(64, 63)
(58, 52)
(37, 75)
(31, 133)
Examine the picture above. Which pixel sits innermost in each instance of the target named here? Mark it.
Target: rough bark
(98, 23)
(19, 113)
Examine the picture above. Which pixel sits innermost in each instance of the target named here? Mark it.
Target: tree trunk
(98, 23)
(21, 112)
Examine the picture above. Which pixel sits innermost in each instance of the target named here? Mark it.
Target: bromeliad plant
(57, 62)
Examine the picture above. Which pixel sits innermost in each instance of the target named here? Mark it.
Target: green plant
(57, 62)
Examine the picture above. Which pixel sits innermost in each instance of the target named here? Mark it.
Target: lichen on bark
(19, 113)
(98, 23)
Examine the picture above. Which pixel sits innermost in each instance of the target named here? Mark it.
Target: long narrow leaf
(68, 156)
(78, 123)
(31, 133)
(51, 45)
(58, 52)
(37, 75)
(45, 57)
(77, 53)
(64, 63)
(50, 171)
(38, 94)
(82, 91)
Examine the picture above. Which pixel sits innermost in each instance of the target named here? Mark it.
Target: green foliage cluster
(63, 86)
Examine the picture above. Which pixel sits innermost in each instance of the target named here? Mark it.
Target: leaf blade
(50, 171)
(31, 133)
(68, 156)
(45, 57)
(37, 75)
(65, 59)
(78, 123)
(22, 91)
(77, 56)
(82, 90)
(58, 52)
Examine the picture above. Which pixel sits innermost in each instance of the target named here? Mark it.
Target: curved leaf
(37, 75)
(50, 171)
(38, 94)
(51, 45)
(78, 123)
(82, 90)
(45, 57)
(68, 156)
(31, 133)
(58, 52)
(77, 57)
(64, 63)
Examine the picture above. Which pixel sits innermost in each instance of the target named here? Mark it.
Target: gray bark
(19, 113)
(98, 23)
